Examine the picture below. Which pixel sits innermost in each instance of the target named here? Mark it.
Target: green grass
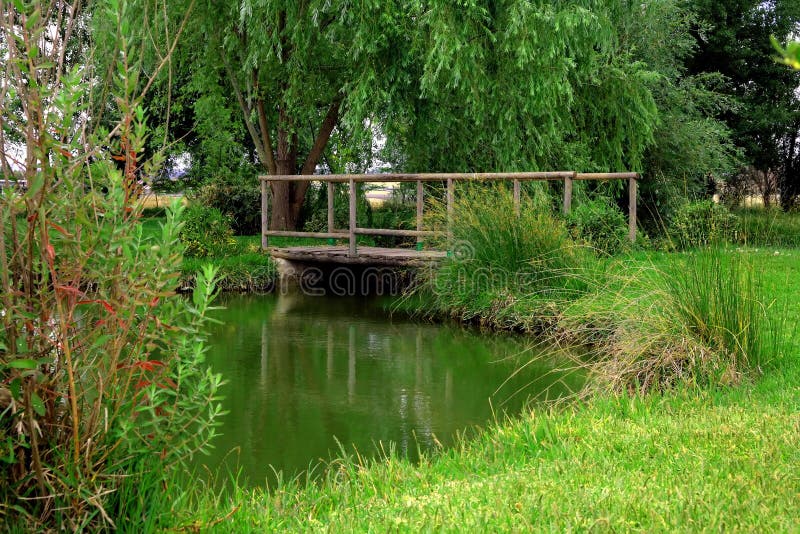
(760, 228)
(689, 459)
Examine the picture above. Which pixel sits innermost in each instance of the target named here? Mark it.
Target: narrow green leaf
(22, 364)
(35, 185)
(15, 387)
(33, 19)
(100, 341)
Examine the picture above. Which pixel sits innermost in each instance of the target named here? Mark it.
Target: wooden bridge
(352, 253)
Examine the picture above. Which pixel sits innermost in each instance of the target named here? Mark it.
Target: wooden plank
(311, 235)
(413, 177)
(632, 209)
(352, 226)
(605, 175)
(390, 232)
(264, 215)
(366, 255)
(450, 199)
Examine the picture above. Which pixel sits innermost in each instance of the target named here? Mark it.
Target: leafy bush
(206, 232)
(104, 396)
(702, 223)
(237, 195)
(599, 224)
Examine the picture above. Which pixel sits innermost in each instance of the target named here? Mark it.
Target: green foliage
(600, 224)
(394, 213)
(101, 366)
(702, 223)
(505, 97)
(735, 42)
(238, 196)
(790, 55)
(206, 231)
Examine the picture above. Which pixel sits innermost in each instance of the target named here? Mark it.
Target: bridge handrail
(450, 178)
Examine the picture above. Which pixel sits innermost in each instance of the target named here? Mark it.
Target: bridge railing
(351, 233)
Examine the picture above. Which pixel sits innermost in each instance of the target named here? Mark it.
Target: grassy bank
(690, 458)
(705, 451)
(242, 265)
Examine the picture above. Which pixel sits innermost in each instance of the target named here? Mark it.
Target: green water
(305, 374)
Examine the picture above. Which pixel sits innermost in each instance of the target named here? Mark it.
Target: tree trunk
(288, 197)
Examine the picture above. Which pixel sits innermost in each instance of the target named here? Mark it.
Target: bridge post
(568, 193)
(450, 196)
(420, 204)
(516, 196)
(352, 230)
(632, 208)
(264, 215)
(331, 195)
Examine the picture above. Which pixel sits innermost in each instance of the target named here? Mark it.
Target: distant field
(155, 200)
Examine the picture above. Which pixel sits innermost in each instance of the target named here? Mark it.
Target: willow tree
(294, 70)
(505, 85)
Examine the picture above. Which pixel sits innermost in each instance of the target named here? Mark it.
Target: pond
(308, 376)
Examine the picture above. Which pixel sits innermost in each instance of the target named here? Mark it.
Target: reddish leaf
(72, 290)
(168, 382)
(59, 229)
(51, 254)
(142, 384)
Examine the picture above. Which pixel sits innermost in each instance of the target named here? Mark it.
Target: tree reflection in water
(303, 372)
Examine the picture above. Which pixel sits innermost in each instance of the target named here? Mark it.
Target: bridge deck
(394, 257)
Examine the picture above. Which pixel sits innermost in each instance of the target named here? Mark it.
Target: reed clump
(702, 321)
(509, 266)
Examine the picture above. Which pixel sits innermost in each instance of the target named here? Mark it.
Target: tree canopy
(735, 42)
(482, 86)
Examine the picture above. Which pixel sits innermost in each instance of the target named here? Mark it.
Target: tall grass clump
(714, 297)
(500, 257)
(703, 321)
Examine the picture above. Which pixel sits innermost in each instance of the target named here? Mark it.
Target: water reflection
(304, 372)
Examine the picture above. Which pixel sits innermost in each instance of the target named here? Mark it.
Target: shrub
(702, 223)
(238, 196)
(599, 224)
(103, 390)
(206, 232)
